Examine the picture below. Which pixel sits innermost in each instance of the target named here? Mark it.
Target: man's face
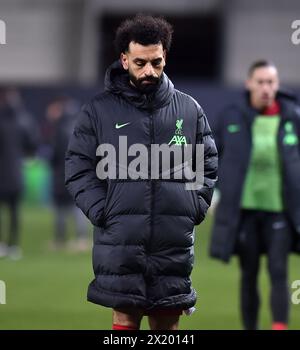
(145, 65)
(263, 85)
(54, 111)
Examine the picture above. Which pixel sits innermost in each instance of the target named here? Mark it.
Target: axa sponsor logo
(178, 139)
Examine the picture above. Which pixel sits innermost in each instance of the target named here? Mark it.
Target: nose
(149, 71)
(266, 88)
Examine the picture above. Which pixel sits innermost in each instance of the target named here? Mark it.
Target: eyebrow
(141, 60)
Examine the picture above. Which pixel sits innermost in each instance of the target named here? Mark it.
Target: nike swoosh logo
(118, 126)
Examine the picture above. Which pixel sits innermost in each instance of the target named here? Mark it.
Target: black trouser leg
(1, 230)
(60, 223)
(13, 206)
(278, 238)
(249, 262)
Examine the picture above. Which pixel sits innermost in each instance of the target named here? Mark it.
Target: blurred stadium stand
(59, 41)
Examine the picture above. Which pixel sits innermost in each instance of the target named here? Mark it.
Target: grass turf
(47, 290)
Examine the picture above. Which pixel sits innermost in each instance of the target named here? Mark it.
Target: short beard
(145, 88)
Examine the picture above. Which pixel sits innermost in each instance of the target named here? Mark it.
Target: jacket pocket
(110, 188)
(199, 214)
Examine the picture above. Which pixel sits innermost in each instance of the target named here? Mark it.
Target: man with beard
(144, 228)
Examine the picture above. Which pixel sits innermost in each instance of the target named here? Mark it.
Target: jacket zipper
(279, 139)
(151, 181)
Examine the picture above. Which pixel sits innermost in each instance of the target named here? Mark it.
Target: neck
(273, 109)
(132, 84)
(257, 105)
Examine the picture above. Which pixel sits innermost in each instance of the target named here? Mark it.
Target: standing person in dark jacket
(17, 138)
(259, 208)
(60, 115)
(144, 227)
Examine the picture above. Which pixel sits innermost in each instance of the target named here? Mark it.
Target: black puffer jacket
(234, 151)
(17, 139)
(143, 237)
(62, 130)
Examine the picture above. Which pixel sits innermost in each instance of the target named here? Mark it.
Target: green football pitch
(47, 290)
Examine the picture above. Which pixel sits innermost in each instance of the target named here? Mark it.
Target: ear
(277, 83)
(248, 84)
(165, 57)
(124, 60)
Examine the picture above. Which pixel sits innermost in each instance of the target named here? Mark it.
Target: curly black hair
(145, 30)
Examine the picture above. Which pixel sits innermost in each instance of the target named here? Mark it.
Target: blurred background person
(259, 208)
(17, 139)
(58, 126)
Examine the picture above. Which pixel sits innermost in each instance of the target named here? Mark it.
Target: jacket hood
(117, 82)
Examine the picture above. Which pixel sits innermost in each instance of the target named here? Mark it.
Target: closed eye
(140, 63)
(156, 62)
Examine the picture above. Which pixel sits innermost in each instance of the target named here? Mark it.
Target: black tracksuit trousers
(269, 232)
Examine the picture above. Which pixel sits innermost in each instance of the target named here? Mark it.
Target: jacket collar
(287, 102)
(117, 82)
